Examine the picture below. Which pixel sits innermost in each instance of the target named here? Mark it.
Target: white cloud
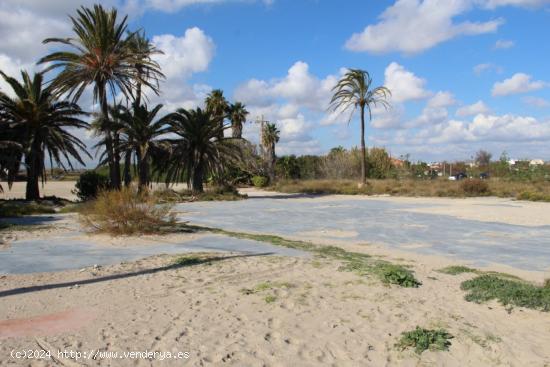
(403, 84)
(175, 5)
(521, 136)
(536, 101)
(298, 87)
(504, 44)
(518, 83)
(184, 55)
(441, 99)
(474, 109)
(291, 102)
(486, 67)
(491, 4)
(413, 26)
(388, 119)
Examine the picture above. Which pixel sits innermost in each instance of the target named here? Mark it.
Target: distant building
(536, 162)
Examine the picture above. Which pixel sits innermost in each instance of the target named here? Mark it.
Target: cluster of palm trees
(104, 57)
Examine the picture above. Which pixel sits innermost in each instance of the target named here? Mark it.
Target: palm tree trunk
(143, 171)
(237, 130)
(196, 181)
(116, 154)
(32, 191)
(127, 166)
(271, 160)
(363, 149)
(114, 171)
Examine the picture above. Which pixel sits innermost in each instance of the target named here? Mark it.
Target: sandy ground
(483, 209)
(264, 311)
(61, 189)
(318, 316)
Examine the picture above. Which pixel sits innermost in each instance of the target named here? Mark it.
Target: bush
(89, 184)
(397, 274)
(127, 212)
(533, 196)
(508, 291)
(475, 187)
(260, 181)
(424, 339)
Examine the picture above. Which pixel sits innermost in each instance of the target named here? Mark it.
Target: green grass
(423, 339)
(359, 263)
(457, 269)
(19, 208)
(508, 291)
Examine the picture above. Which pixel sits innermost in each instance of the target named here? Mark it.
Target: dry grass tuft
(127, 212)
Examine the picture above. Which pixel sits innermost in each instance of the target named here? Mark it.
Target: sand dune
(296, 312)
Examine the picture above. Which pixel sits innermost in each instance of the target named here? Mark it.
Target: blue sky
(465, 74)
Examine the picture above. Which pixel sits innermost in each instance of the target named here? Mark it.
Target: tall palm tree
(40, 123)
(144, 50)
(217, 105)
(354, 90)
(270, 138)
(197, 149)
(140, 129)
(237, 114)
(101, 56)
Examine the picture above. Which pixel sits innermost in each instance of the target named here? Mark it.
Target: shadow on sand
(43, 287)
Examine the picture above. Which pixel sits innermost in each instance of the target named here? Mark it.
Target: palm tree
(143, 47)
(40, 121)
(104, 57)
(270, 137)
(139, 130)
(237, 114)
(217, 105)
(354, 90)
(198, 149)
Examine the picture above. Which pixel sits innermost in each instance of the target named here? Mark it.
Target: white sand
(61, 189)
(320, 316)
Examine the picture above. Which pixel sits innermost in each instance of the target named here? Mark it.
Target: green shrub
(89, 184)
(397, 274)
(127, 212)
(18, 208)
(423, 339)
(475, 187)
(457, 269)
(533, 196)
(260, 181)
(508, 291)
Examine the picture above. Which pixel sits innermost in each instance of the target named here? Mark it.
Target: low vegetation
(457, 269)
(508, 291)
(424, 339)
(90, 184)
(359, 263)
(537, 191)
(18, 208)
(475, 187)
(225, 193)
(127, 212)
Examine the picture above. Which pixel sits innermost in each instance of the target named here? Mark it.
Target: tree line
(103, 57)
